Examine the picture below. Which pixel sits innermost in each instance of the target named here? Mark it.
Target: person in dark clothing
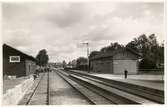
(36, 74)
(126, 73)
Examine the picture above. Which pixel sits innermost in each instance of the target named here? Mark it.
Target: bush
(147, 64)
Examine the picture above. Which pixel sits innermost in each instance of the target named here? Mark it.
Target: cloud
(70, 15)
(59, 27)
(18, 36)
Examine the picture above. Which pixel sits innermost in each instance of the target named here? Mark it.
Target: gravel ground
(40, 96)
(61, 93)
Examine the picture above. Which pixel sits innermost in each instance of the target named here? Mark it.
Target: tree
(74, 63)
(82, 61)
(42, 58)
(148, 47)
(112, 47)
(64, 64)
(70, 63)
(133, 45)
(93, 53)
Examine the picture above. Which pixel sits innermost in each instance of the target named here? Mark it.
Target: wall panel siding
(120, 65)
(104, 66)
(30, 67)
(125, 55)
(15, 69)
(116, 63)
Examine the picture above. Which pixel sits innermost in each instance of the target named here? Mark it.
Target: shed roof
(112, 53)
(5, 46)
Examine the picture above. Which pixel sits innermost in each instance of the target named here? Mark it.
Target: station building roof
(7, 47)
(112, 53)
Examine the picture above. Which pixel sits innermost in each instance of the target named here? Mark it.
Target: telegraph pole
(87, 46)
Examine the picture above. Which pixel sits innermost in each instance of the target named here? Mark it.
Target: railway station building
(115, 62)
(17, 63)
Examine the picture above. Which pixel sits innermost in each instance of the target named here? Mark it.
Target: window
(14, 58)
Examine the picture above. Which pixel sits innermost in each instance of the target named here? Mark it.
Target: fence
(151, 71)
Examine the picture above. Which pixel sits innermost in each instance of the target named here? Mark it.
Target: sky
(62, 27)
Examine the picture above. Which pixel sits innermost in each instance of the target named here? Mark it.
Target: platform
(9, 84)
(150, 81)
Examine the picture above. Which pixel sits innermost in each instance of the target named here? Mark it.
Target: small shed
(17, 63)
(115, 62)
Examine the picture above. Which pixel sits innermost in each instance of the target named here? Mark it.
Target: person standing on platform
(125, 73)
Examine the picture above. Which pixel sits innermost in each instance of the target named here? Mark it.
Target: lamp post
(87, 46)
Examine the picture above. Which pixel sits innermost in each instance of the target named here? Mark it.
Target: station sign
(13, 59)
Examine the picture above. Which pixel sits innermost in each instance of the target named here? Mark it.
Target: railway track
(48, 90)
(27, 103)
(117, 92)
(38, 91)
(92, 97)
(42, 93)
(96, 90)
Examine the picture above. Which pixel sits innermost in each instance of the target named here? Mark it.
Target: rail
(145, 92)
(27, 103)
(48, 91)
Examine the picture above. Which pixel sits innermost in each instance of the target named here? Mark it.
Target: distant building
(115, 62)
(17, 63)
(58, 65)
(51, 64)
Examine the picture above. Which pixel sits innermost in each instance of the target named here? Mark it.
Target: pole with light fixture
(87, 46)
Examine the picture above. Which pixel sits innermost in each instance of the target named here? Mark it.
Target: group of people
(39, 70)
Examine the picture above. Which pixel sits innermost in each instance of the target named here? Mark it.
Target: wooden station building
(115, 62)
(17, 63)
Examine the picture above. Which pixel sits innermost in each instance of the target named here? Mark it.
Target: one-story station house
(115, 62)
(17, 63)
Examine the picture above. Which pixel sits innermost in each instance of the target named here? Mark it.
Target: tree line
(152, 53)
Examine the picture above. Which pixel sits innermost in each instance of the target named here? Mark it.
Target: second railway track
(117, 92)
(95, 90)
